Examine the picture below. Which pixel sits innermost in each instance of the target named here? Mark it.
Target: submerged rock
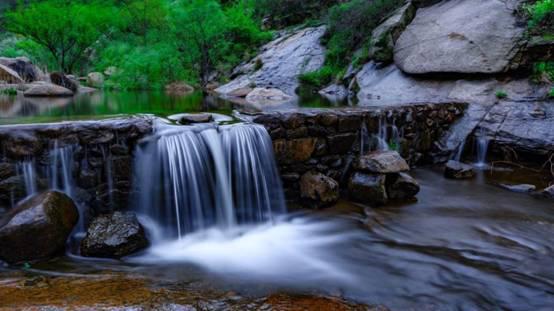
(368, 189)
(382, 162)
(190, 118)
(47, 90)
(523, 188)
(461, 36)
(319, 190)
(38, 228)
(178, 88)
(114, 236)
(335, 93)
(458, 170)
(401, 186)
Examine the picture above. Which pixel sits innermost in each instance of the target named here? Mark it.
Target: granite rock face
(461, 36)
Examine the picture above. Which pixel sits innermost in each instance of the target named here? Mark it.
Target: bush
(501, 94)
(318, 78)
(283, 13)
(539, 12)
(9, 92)
(551, 93)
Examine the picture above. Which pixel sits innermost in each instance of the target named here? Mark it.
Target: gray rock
(280, 62)
(190, 118)
(47, 90)
(523, 188)
(385, 35)
(401, 186)
(8, 75)
(458, 170)
(548, 192)
(319, 190)
(179, 88)
(334, 93)
(461, 36)
(38, 228)
(368, 189)
(24, 68)
(58, 78)
(267, 97)
(114, 236)
(95, 79)
(381, 162)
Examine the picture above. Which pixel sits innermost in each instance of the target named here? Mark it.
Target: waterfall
(459, 151)
(197, 177)
(26, 169)
(482, 142)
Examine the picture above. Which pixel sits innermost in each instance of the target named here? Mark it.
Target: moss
(501, 94)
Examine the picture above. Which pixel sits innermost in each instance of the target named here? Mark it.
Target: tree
(67, 29)
(199, 27)
(146, 16)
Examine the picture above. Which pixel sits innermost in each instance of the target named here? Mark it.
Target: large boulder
(38, 228)
(458, 170)
(267, 97)
(385, 35)
(24, 68)
(114, 236)
(95, 79)
(8, 75)
(381, 162)
(280, 63)
(58, 78)
(319, 190)
(401, 186)
(44, 89)
(179, 88)
(368, 189)
(461, 36)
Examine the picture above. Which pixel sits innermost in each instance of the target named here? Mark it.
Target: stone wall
(98, 155)
(328, 141)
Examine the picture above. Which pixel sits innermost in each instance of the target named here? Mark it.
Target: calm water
(465, 245)
(19, 109)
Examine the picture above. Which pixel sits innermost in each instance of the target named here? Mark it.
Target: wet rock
(47, 90)
(267, 97)
(368, 189)
(281, 62)
(341, 143)
(95, 79)
(190, 118)
(20, 144)
(37, 228)
(522, 188)
(242, 92)
(458, 170)
(294, 150)
(402, 186)
(11, 188)
(6, 170)
(58, 78)
(335, 93)
(381, 162)
(548, 192)
(24, 68)
(385, 35)
(461, 36)
(114, 236)
(178, 88)
(350, 123)
(319, 190)
(7, 75)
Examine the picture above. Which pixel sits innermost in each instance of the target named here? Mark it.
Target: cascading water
(482, 146)
(194, 178)
(26, 169)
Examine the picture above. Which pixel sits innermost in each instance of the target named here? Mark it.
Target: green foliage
(551, 93)
(501, 94)
(9, 91)
(393, 146)
(543, 70)
(283, 13)
(67, 29)
(539, 12)
(318, 78)
(351, 23)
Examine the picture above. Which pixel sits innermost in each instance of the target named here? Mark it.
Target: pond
(104, 104)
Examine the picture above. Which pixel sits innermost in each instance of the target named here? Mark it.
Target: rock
(461, 36)
(385, 35)
(401, 186)
(335, 93)
(458, 170)
(548, 192)
(62, 80)
(179, 88)
(38, 228)
(368, 189)
(319, 190)
(95, 79)
(294, 150)
(47, 90)
(242, 92)
(189, 118)
(267, 97)
(522, 188)
(9, 76)
(281, 62)
(110, 71)
(114, 236)
(381, 162)
(24, 68)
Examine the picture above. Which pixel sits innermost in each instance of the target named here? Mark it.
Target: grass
(9, 92)
(501, 94)
(319, 78)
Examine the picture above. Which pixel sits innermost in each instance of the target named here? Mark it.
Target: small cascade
(482, 146)
(60, 173)
(27, 170)
(457, 156)
(194, 178)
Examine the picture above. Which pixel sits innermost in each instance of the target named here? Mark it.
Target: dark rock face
(24, 68)
(402, 186)
(368, 189)
(457, 170)
(62, 80)
(382, 162)
(319, 190)
(38, 228)
(114, 236)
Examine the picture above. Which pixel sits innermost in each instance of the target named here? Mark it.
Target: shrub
(551, 93)
(283, 13)
(9, 91)
(501, 94)
(318, 78)
(539, 12)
